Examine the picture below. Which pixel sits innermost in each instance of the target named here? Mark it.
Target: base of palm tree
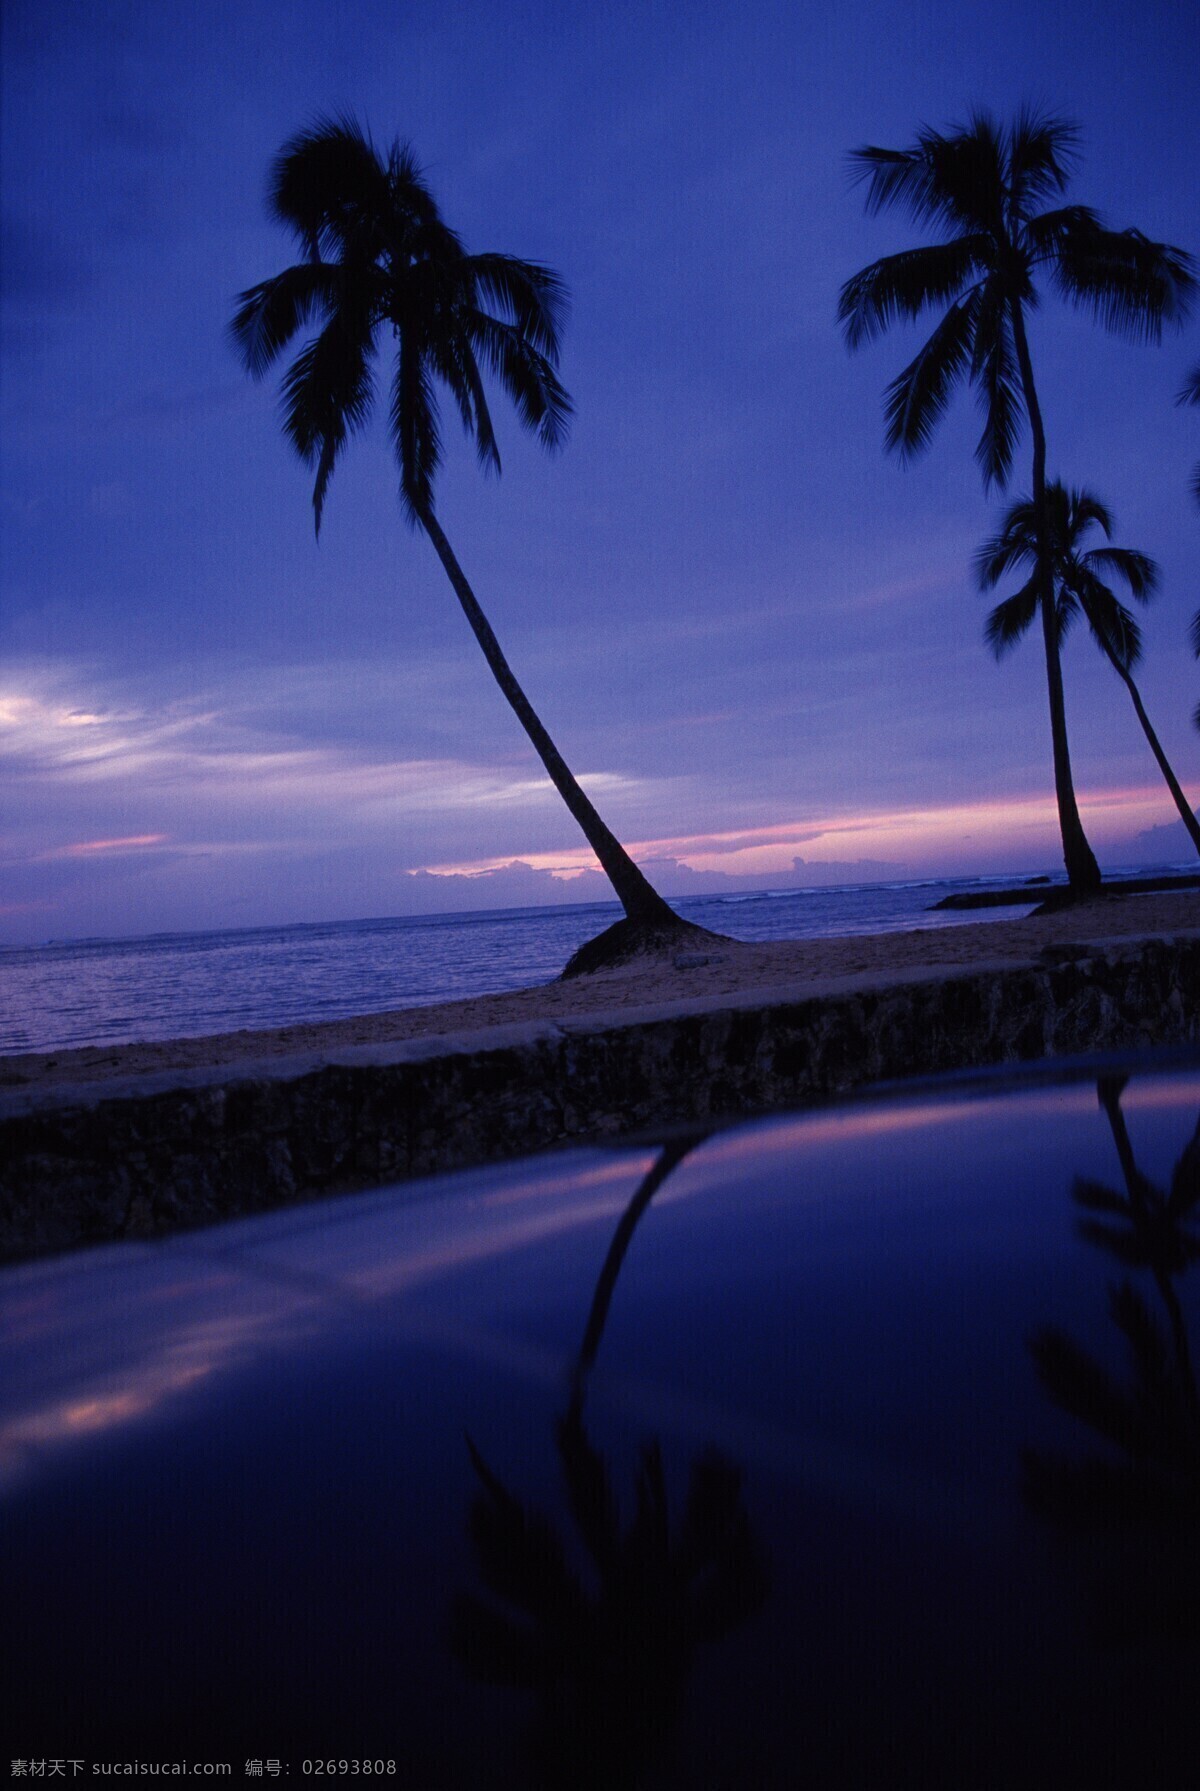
(627, 940)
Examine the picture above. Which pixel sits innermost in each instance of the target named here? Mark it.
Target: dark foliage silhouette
(1191, 395)
(1145, 1484)
(1076, 587)
(382, 271)
(604, 1642)
(984, 187)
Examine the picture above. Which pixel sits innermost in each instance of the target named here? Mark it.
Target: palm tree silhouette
(382, 267)
(1191, 395)
(1076, 588)
(607, 1653)
(981, 185)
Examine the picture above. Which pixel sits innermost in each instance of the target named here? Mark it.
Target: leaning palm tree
(381, 268)
(1076, 587)
(981, 186)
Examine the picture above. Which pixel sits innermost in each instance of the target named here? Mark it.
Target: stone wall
(141, 1159)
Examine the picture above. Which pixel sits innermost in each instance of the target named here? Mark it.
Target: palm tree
(381, 267)
(1191, 395)
(1076, 588)
(981, 185)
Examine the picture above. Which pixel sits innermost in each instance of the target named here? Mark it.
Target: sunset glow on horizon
(754, 636)
(1001, 825)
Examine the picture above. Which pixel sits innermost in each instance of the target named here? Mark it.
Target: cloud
(134, 843)
(86, 762)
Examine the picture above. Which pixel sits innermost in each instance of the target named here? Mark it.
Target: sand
(729, 974)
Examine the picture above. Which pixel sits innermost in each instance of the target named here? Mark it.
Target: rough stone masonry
(153, 1154)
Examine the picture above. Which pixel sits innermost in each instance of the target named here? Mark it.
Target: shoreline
(138, 1141)
(727, 972)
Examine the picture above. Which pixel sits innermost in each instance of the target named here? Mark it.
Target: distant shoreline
(1051, 896)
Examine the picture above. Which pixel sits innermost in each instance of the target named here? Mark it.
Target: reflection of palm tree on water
(1152, 1481)
(607, 1653)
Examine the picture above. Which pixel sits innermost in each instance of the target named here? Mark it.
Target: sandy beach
(725, 973)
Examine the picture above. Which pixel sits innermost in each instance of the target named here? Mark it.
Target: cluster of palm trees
(992, 194)
(380, 267)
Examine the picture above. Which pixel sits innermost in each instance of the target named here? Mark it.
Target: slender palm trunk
(640, 900)
(1172, 782)
(1083, 873)
(664, 1164)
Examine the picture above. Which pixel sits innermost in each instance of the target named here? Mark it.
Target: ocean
(182, 985)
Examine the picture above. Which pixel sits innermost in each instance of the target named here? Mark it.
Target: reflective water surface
(857, 1447)
(186, 985)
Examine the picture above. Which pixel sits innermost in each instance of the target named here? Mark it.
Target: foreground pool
(856, 1448)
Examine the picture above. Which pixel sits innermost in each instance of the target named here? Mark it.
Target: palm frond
(527, 294)
(998, 388)
(542, 402)
(904, 285)
(270, 313)
(1190, 394)
(324, 181)
(1136, 570)
(1012, 618)
(1122, 1242)
(1042, 237)
(414, 428)
(1066, 610)
(1113, 626)
(1078, 1384)
(1078, 510)
(917, 398)
(1097, 1197)
(898, 177)
(1042, 152)
(453, 360)
(520, 1554)
(968, 174)
(1014, 545)
(410, 199)
(1148, 1350)
(327, 394)
(1130, 285)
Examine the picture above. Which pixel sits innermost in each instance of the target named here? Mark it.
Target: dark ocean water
(178, 985)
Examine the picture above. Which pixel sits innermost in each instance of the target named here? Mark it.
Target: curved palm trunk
(640, 900)
(1083, 873)
(1172, 782)
(668, 1160)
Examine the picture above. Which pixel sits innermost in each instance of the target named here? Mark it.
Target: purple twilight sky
(753, 635)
